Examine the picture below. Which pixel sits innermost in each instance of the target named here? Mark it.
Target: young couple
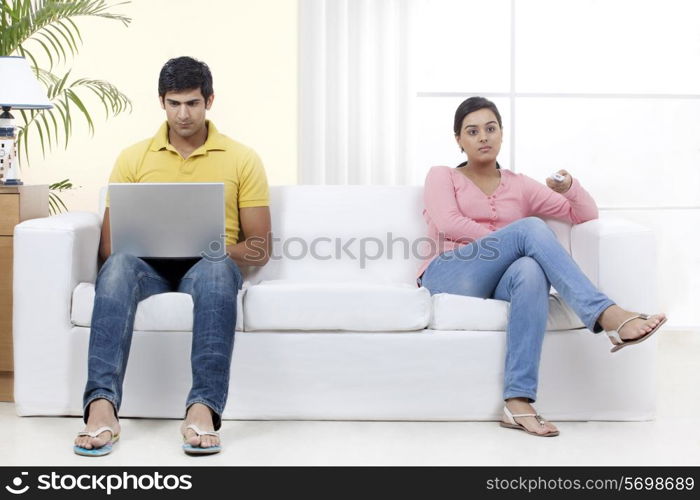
(462, 205)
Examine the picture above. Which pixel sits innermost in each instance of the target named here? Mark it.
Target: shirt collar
(215, 141)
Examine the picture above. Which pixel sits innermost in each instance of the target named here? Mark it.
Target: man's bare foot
(614, 316)
(522, 405)
(199, 415)
(101, 414)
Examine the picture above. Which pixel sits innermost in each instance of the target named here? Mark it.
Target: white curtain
(353, 92)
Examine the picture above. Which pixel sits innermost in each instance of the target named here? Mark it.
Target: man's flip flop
(102, 450)
(198, 450)
(619, 343)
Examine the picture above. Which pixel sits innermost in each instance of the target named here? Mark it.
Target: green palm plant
(36, 28)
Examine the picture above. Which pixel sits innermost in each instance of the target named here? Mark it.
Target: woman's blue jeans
(123, 282)
(517, 264)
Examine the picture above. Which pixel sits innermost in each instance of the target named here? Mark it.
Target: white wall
(251, 48)
(609, 90)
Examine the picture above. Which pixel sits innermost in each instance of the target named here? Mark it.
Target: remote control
(557, 177)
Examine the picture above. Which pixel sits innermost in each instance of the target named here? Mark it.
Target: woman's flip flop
(620, 343)
(510, 423)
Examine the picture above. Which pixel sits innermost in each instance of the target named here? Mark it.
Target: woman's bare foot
(522, 405)
(614, 316)
(199, 415)
(101, 414)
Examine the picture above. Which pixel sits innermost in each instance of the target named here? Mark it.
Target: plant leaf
(24, 20)
(51, 25)
(113, 102)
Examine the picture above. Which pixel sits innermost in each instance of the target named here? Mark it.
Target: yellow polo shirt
(219, 159)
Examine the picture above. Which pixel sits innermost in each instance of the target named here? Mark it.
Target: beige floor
(672, 439)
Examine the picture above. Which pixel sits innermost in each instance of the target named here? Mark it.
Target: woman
(494, 247)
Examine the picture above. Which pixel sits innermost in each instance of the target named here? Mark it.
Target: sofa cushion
(170, 311)
(457, 312)
(350, 306)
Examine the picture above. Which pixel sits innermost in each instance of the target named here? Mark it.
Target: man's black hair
(185, 73)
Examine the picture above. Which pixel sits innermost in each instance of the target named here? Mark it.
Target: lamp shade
(19, 88)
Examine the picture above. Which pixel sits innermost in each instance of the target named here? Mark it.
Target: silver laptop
(168, 220)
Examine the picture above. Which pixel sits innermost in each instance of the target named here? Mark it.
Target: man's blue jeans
(124, 281)
(517, 264)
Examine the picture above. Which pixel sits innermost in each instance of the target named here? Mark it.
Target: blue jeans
(124, 281)
(517, 264)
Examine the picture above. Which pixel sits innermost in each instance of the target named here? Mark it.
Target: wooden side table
(17, 203)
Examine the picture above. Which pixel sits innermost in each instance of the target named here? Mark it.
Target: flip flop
(102, 450)
(512, 424)
(198, 450)
(620, 343)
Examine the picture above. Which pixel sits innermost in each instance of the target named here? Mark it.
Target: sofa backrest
(345, 233)
(349, 233)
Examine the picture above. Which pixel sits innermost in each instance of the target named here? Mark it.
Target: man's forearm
(250, 252)
(105, 251)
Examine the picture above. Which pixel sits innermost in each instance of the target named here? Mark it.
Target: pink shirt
(458, 210)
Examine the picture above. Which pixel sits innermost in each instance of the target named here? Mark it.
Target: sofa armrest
(59, 251)
(51, 256)
(619, 257)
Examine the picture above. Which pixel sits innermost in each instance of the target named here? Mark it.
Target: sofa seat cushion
(323, 306)
(457, 312)
(170, 311)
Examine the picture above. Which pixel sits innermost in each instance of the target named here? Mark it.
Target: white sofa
(330, 336)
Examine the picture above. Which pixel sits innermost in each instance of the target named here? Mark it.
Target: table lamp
(19, 89)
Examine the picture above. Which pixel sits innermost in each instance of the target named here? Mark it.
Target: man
(187, 148)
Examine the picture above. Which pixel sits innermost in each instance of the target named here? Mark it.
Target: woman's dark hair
(185, 73)
(474, 104)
